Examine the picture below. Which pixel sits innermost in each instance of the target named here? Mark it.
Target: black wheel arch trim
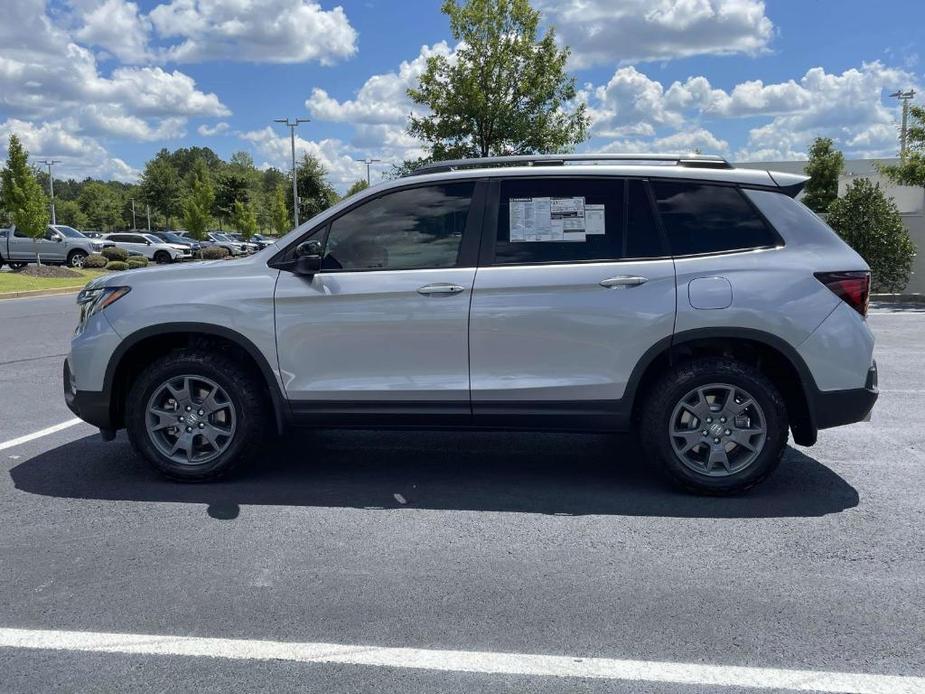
(280, 412)
(804, 435)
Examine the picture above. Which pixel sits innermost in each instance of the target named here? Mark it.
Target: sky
(101, 85)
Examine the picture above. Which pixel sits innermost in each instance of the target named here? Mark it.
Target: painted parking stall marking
(464, 661)
(40, 433)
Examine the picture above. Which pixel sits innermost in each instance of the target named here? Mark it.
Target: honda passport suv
(696, 305)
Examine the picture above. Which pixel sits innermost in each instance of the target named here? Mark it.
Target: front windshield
(152, 238)
(70, 232)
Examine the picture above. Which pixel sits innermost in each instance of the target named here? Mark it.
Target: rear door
(575, 285)
(22, 247)
(383, 327)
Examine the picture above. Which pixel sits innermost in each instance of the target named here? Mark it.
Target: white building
(909, 199)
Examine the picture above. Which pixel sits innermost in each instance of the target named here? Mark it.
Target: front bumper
(92, 407)
(838, 407)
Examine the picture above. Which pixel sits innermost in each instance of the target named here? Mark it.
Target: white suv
(697, 305)
(150, 247)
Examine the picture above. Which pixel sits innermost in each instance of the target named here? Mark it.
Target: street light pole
(51, 185)
(905, 97)
(148, 208)
(295, 188)
(134, 226)
(367, 161)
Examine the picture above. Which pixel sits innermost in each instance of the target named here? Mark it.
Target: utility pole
(367, 161)
(905, 97)
(51, 185)
(134, 226)
(148, 208)
(295, 188)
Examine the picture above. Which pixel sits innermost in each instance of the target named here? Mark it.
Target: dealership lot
(489, 543)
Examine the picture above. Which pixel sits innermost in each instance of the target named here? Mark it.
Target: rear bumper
(838, 407)
(92, 407)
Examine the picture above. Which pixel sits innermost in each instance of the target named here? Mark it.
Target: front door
(574, 286)
(382, 328)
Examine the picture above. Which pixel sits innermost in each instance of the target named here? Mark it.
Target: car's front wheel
(714, 426)
(76, 259)
(196, 415)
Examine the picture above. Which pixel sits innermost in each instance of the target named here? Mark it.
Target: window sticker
(553, 219)
(594, 220)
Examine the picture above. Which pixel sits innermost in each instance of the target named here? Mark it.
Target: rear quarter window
(704, 218)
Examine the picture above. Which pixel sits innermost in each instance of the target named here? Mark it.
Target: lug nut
(722, 419)
(189, 429)
(715, 440)
(728, 433)
(181, 418)
(709, 419)
(704, 432)
(188, 408)
(201, 425)
(201, 412)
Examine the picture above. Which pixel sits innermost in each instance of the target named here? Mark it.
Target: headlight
(93, 300)
(96, 246)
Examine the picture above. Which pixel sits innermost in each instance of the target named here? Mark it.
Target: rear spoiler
(789, 183)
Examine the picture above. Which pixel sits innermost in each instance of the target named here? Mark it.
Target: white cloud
(848, 107)
(678, 143)
(80, 156)
(211, 131)
(115, 26)
(274, 31)
(336, 157)
(622, 31)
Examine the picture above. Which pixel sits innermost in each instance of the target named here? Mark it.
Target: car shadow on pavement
(473, 471)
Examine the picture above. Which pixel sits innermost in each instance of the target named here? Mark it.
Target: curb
(898, 298)
(40, 292)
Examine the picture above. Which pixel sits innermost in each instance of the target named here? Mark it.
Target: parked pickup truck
(61, 245)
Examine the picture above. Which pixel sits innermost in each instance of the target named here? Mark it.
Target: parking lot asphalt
(541, 544)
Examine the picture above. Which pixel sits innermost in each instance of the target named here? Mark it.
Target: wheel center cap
(192, 418)
(716, 429)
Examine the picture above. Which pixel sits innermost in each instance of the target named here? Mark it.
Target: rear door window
(565, 220)
(704, 218)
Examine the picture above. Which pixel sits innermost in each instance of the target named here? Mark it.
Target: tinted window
(703, 218)
(408, 229)
(560, 220)
(20, 234)
(121, 238)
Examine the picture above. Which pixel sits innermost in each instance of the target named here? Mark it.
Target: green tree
(356, 187)
(315, 193)
(232, 187)
(101, 205)
(244, 219)
(160, 186)
(199, 201)
(824, 167)
(281, 221)
(911, 170)
(69, 212)
(507, 91)
(20, 194)
(871, 224)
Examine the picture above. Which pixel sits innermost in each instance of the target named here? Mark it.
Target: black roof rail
(705, 161)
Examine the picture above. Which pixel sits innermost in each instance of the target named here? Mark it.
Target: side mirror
(58, 239)
(308, 258)
(147, 243)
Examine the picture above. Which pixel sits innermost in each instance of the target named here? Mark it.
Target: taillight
(851, 287)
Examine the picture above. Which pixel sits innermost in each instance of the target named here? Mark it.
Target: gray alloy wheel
(717, 430)
(77, 259)
(190, 419)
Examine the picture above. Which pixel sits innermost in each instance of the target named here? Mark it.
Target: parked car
(223, 241)
(696, 305)
(150, 246)
(250, 246)
(61, 245)
(178, 241)
(261, 241)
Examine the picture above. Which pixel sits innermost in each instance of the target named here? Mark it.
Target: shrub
(214, 253)
(136, 262)
(95, 260)
(116, 265)
(113, 253)
(870, 223)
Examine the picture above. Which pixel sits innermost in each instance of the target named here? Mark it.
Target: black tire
(659, 405)
(17, 266)
(76, 259)
(245, 390)
(162, 257)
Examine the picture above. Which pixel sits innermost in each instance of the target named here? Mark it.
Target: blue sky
(103, 84)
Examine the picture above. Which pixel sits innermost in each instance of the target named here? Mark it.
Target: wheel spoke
(165, 419)
(718, 455)
(691, 439)
(210, 404)
(744, 438)
(737, 408)
(182, 395)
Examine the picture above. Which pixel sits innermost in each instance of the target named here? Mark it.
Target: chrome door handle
(441, 288)
(624, 281)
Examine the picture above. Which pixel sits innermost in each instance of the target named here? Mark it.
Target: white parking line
(39, 434)
(465, 661)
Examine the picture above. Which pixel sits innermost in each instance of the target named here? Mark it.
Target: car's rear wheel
(76, 259)
(162, 257)
(714, 426)
(196, 416)
(17, 266)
